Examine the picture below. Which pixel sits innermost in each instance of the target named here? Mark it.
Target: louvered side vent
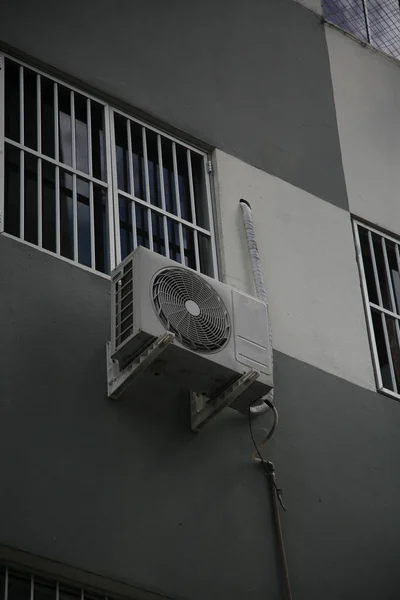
(189, 307)
(123, 305)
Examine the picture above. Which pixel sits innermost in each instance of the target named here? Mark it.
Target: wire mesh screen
(373, 21)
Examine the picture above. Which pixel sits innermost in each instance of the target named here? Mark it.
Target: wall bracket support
(203, 408)
(119, 380)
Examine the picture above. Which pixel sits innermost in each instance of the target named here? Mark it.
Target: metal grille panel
(17, 584)
(373, 21)
(189, 307)
(90, 183)
(379, 264)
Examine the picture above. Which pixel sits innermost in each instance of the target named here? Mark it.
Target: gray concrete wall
(126, 491)
(252, 79)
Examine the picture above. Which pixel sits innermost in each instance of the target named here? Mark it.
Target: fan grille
(189, 307)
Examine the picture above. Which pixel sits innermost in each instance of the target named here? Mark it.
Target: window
(90, 183)
(373, 21)
(20, 585)
(379, 263)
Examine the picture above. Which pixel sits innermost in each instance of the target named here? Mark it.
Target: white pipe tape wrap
(261, 291)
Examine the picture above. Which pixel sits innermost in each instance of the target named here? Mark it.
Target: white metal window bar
(378, 258)
(90, 183)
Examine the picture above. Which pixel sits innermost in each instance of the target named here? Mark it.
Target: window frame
(369, 305)
(110, 182)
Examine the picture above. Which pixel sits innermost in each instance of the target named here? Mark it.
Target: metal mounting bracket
(203, 408)
(118, 381)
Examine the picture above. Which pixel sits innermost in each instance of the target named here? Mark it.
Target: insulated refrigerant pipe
(262, 407)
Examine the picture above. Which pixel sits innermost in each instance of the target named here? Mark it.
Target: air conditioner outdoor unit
(209, 337)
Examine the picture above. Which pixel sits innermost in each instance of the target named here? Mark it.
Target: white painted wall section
(309, 263)
(366, 88)
(314, 5)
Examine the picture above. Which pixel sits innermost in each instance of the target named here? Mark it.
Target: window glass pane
(125, 226)
(394, 348)
(31, 199)
(47, 115)
(169, 180)
(30, 109)
(66, 215)
(12, 101)
(48, 206)
(158, 233)
(84, 250)
(381, 349)
(200, 190)
(98, 142)
(44, 590)
(368, 267)
(384, 25)
(64, 125)
(183, 180)
(347, 14)
(121, 141)
(19, 587)
(205, 254)
(138, 161)
(154, 168)
(380, 265)
(188, 245)
(81, 134)
(173, 237)
(12, 190)
(142, 225)
(101, 229)
(393, 256)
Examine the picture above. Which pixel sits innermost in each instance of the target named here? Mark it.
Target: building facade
(265, 101)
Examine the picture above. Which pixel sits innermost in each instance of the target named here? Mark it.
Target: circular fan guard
(189, 307)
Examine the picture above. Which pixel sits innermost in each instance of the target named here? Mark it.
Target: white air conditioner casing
(220, 333)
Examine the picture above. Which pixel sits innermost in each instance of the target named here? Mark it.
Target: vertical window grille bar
(163, 205)
(130, 159)
(178, 202)
(388, 351)
(89, 134)
(39, 199)
(210, 217)
(6, 585)
(92, 232)
(58, 217)
(57, 591)
(374, 268)
(107, 116)
(56, 125)
(22, 195)
(147, 183)
(193, 206)
(115, 237)
(146, 164)
(75, 217)
(73, 129)
(21, 105)
(32, 595)
(39, 113)
(2, 109)
(112, 222)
